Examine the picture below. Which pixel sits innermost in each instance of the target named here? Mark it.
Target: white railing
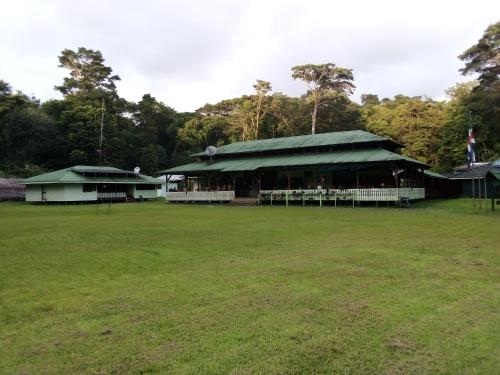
(412, 193)
(371, 195)
(111, 195)
(200, 196)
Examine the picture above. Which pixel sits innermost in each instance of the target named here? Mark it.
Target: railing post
(271, 198)
(286, 199)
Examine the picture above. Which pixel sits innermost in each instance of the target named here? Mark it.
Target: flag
(471, 155)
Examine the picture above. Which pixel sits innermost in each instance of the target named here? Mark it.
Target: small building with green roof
(493, 177)
(354, 165)
(82, 183)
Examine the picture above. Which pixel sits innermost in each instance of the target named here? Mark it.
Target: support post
(271, 198)
(320, 201)
(473, 194)
(493, 198)
(479, 193)
(286, 199)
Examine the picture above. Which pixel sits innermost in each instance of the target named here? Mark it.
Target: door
(242, 187)
(44, 193)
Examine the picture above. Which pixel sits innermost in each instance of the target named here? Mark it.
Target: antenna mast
(102, 125)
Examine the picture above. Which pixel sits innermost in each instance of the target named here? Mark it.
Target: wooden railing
(320, 195)
(111, 195)
(200, 196)
(366, 195)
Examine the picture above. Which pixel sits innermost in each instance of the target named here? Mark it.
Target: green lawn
(155, 288)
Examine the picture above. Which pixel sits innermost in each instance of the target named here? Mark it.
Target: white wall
(33, 193)
(146, 194)
(74, 192)
(59, 193)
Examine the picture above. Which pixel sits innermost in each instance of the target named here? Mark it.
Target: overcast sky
(188, 53)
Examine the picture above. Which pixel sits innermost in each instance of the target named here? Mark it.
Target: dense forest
(37, 137)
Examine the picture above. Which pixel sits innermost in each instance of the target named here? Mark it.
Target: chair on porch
(404, 202)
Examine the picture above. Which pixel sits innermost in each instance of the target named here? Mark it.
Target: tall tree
(261, 90)
(482, 103)
(484, 57)
(87, 73)
(322, 80)
(89, 87)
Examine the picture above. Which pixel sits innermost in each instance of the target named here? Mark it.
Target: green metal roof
(295, 160)
(435, 175)
(495, 173)
(99, 169)
(83, 174)
(302, 141)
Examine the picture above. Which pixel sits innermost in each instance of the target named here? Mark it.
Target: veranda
(341, 186)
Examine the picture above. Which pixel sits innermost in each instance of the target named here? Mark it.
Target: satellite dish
(137, 170)
(211, 151)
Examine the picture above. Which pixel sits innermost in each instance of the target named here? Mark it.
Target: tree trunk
(313, 118)
(256, 134)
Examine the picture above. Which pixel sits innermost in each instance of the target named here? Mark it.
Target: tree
(322, 80)
(414, 122)
(288, 117)
(90, 86)
(261, 90)
(211, 125)
(339, 113)
(484, 57)
(457, 120)
(482, 103)
(26, 133)
(369, 99)
(87, 73)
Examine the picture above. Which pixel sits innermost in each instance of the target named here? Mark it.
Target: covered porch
(371, 175)
(322, 185)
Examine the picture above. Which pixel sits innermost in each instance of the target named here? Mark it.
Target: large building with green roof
(83, 183)
(354, 164)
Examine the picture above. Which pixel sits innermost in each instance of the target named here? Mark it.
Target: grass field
(155, 288)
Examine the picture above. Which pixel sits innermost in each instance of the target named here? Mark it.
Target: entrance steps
(243, 202)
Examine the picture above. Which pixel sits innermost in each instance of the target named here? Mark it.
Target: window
(88, 188)
(145, 187)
